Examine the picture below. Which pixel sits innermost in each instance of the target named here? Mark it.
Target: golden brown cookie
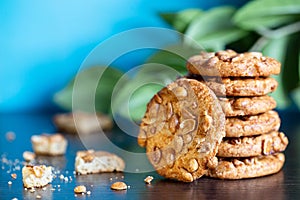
(239, 168)
(181, 129)
(265, 144)
(246, 105)
(231, 64)
(233, 86)
(253, 124)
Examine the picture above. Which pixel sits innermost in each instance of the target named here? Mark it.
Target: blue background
(43, 43)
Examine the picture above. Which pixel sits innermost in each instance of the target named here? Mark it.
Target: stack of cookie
(253, 144)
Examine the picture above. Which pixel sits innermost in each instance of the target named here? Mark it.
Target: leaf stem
(280, 32)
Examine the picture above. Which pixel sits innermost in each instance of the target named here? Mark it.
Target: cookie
(245, 87)
(82, 122)
(253, 124)
(51, 145)
(231, 64)
(36, 176)
(239, 168)
(265, 144)
(242, 106)
(181, 129)
(91, 162)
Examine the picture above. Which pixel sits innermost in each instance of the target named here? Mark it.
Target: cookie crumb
(28, 156)
(148, 179)
(88, 192)
(10, 136)
(38, 196)
(14, 176)
(119, 186)
(80, 189)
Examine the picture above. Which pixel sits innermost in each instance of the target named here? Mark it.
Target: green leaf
(174, 56)
(244, 43)
(214, 28)
(93, 90)
(295, 94)
(182, 19)
(222, 37)
(267, 13)
(290, 73)
(277, 49)
(140, 98)
(158, 73)
(130, 99)
(266, 22)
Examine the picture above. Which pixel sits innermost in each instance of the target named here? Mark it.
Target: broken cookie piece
(82, 122)
(90, 162)
(36, 176)
(51, 145)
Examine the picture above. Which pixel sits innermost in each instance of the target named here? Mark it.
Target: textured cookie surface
(246, 87)
(265, 144)
(231, 64)
(36, 176)
(239, 168)
(90, 162)
(181, 129)
(253, 124)
(82, 122)
(49, 144)
(246, 105)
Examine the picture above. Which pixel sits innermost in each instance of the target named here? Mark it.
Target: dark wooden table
(284, 185)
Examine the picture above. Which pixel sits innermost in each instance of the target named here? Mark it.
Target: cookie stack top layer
(228, 63)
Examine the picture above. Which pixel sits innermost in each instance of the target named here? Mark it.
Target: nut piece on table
(148, 179)
(28, 156)
(80, 189)
(82, 122)
(14, 176)
(90, 162)
(52, 145)
(119, 186)
(36, 176)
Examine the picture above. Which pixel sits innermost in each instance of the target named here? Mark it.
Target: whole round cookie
(242, 106)
(181, 129)
(231, 64)
(245, 87)
(265, 144)
(252, 125)
(239, 168)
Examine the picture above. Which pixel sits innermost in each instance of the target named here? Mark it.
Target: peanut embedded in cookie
(181, 129)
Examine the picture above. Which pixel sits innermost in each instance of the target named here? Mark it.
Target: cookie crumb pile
(252, 145)
(216, 121)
